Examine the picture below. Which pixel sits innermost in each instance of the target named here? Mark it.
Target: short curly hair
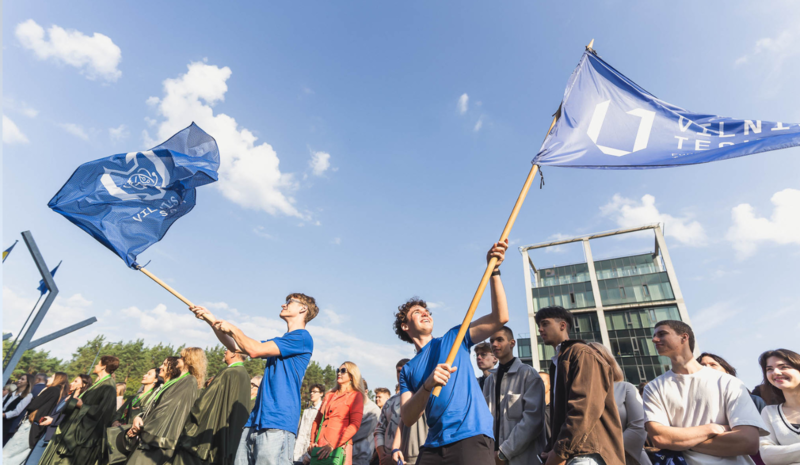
(309, 302)
(401, 317)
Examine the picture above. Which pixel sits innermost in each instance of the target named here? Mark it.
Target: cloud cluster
(783, 227)
(12, 133)
(320, 162)
(628, 213)
(75, 129)
(118, 133)
(463, 103)
(96, 56)
(250, 175)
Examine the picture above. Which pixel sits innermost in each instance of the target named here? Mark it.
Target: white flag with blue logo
(128, 201)
(607, 121)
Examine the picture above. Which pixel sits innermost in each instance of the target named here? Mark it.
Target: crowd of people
(578, 411)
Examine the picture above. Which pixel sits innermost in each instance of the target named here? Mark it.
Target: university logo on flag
(608, 121)
(129, 201)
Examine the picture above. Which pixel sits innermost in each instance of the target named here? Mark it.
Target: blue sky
(373, 151)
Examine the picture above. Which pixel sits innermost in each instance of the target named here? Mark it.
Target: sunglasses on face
(254, 385)
(289, 301)
(342, 371)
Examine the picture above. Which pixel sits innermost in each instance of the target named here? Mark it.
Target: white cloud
(435, 305)
(783, 227)
(11, 133)
(333, 318)
(150, 121)
(478, 125)
(711, 317)
(249, 173)
(260, 231)
(118, 133)
(95, 56)
(628, 213)
(20, 107)
(75, 129)
(320, 162)
(557, 248)
(463, 103)
(780, 47)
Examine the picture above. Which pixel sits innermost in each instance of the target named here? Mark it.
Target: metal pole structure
(95, 359)
(25, 343)
(16, 339)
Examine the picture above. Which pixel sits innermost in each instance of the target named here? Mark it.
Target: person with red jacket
(340, 414)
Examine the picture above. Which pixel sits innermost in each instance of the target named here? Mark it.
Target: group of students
(581, 412)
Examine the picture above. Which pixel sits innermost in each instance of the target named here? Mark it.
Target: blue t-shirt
(278, 400)
(460, 411)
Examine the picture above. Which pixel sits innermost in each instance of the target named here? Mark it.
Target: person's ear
(404, 327)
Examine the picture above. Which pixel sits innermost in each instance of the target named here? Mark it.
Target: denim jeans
(265, 447)
(593, 459)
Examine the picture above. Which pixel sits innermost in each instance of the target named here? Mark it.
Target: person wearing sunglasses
(304, 430)
(271, 430)
(339, 417)
(459, 419)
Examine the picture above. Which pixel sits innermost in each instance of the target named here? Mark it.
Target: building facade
(614, 301)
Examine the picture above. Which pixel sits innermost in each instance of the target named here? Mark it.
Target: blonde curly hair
(196, 363)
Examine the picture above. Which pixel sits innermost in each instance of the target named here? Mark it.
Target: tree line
(136, 358)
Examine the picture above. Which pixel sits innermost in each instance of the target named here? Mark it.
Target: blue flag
(607, 121)
(128, 201)
(42, 285)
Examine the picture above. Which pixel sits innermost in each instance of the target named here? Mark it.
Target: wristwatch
(502, 456)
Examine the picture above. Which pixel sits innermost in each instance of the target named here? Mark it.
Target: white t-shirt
(708, 396)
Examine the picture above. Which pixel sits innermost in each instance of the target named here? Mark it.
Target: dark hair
(402, 363)
(401, 317)
(28, 385)
(87, 383)
(724, 364)
(383, 390)
(482, 348)
(320, 387)
(41, 376)
(110, 363)
(311, 304)
(556, 313)
(60, 380)
(680, 328)
(172, 370)
(509, 333)
(771, 394)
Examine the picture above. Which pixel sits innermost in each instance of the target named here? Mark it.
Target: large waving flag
(128, 201)
(608, 121)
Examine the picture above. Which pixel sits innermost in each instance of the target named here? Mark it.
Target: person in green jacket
(212, 432)
(155, 433)
(81, 437)
(135, 406)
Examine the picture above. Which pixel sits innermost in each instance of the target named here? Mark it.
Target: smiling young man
(584, 420)
(515, 394)
(271, 430)
(704, 413)
(460, 423)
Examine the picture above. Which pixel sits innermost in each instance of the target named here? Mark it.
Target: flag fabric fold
(128, 201)
(42, 286)
(607, 121)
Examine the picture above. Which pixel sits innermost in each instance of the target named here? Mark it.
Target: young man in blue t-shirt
(459, 421)
(271, 430)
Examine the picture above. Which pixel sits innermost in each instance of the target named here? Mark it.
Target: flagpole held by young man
(487, 274)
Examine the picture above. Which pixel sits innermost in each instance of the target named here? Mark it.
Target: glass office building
(615, 302)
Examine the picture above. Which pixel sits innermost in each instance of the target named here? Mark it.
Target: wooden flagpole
(451, 357)
(175, 293)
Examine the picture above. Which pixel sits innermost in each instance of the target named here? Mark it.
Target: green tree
(33, 361)
(315, 374)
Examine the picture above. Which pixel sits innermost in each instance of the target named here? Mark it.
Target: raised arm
(487, 325)
(253, 348)
(202, 313)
